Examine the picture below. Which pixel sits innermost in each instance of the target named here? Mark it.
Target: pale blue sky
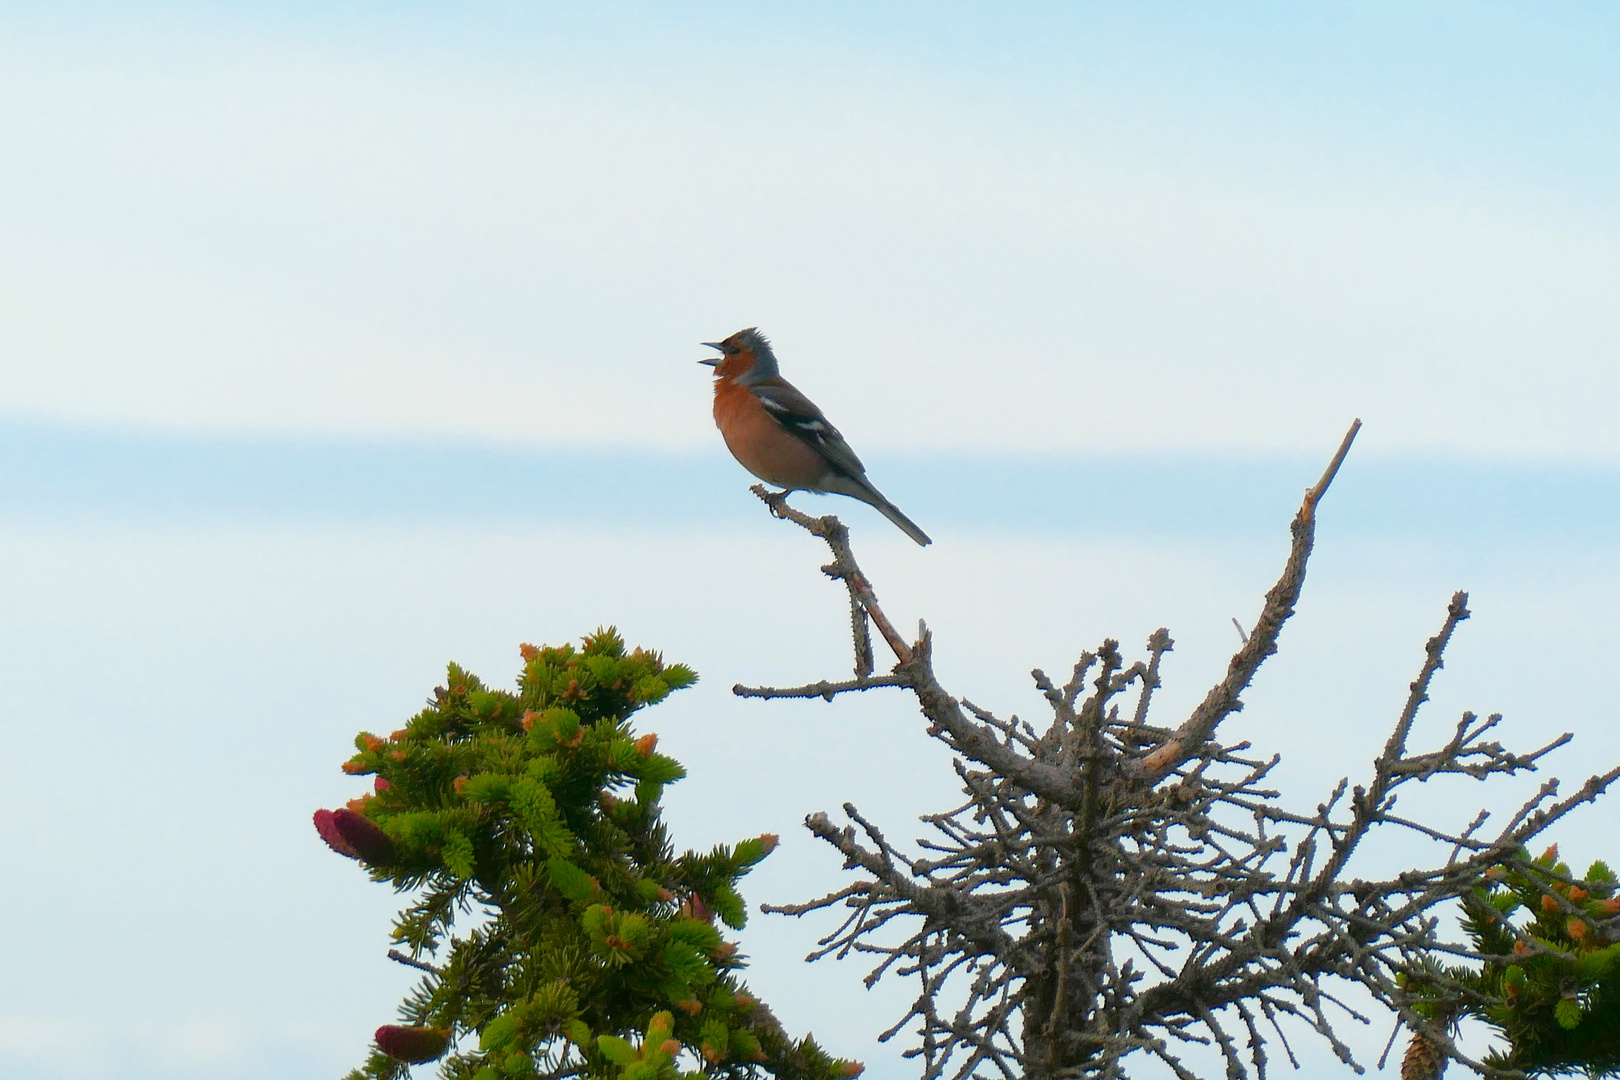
(499, 226)
(339, 341)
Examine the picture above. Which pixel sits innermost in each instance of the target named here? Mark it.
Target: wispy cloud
(70, 474)
(296, 224)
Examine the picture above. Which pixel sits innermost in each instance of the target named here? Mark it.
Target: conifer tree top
(558, 930)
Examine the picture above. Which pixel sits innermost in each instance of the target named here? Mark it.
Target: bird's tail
(859, 487)
(907, 526)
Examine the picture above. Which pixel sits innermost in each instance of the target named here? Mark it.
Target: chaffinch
(779, 435)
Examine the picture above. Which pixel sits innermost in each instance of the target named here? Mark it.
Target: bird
(780, 436)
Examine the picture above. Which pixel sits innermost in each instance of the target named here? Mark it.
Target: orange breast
(763, 446)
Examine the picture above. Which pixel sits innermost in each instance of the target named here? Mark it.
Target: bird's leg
(777, 501)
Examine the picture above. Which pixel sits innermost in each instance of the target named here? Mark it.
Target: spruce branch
(596, 949)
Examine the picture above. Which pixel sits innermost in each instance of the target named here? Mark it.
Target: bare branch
(420, 965)
(1223, 699)
(1110, 887)
(821, 689)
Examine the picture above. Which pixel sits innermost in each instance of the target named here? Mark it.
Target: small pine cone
(1424, 1059)
(412, 1045)
(327, 827)
(369, 843)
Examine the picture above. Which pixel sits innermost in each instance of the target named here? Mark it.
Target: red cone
(354, 835)
(329, 832)
(369, 842)
(412, 1045)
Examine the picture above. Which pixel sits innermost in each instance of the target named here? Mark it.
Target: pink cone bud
(412, 1045)
(768, 841)
(364, 838)
(381, 785)
(329, 832)
(695, 908)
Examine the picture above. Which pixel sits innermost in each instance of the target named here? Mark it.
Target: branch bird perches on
(1113, 888)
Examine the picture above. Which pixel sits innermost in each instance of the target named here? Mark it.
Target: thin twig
(420, 965)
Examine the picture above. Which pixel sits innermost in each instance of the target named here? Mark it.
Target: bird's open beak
(717, 347)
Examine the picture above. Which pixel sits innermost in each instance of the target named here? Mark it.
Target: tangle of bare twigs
(1112, 888)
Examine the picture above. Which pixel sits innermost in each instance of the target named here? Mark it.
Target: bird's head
(745, 357)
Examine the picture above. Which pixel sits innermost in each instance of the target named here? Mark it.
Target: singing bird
(779, 435)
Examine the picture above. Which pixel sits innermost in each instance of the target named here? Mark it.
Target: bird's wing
(799, 415)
